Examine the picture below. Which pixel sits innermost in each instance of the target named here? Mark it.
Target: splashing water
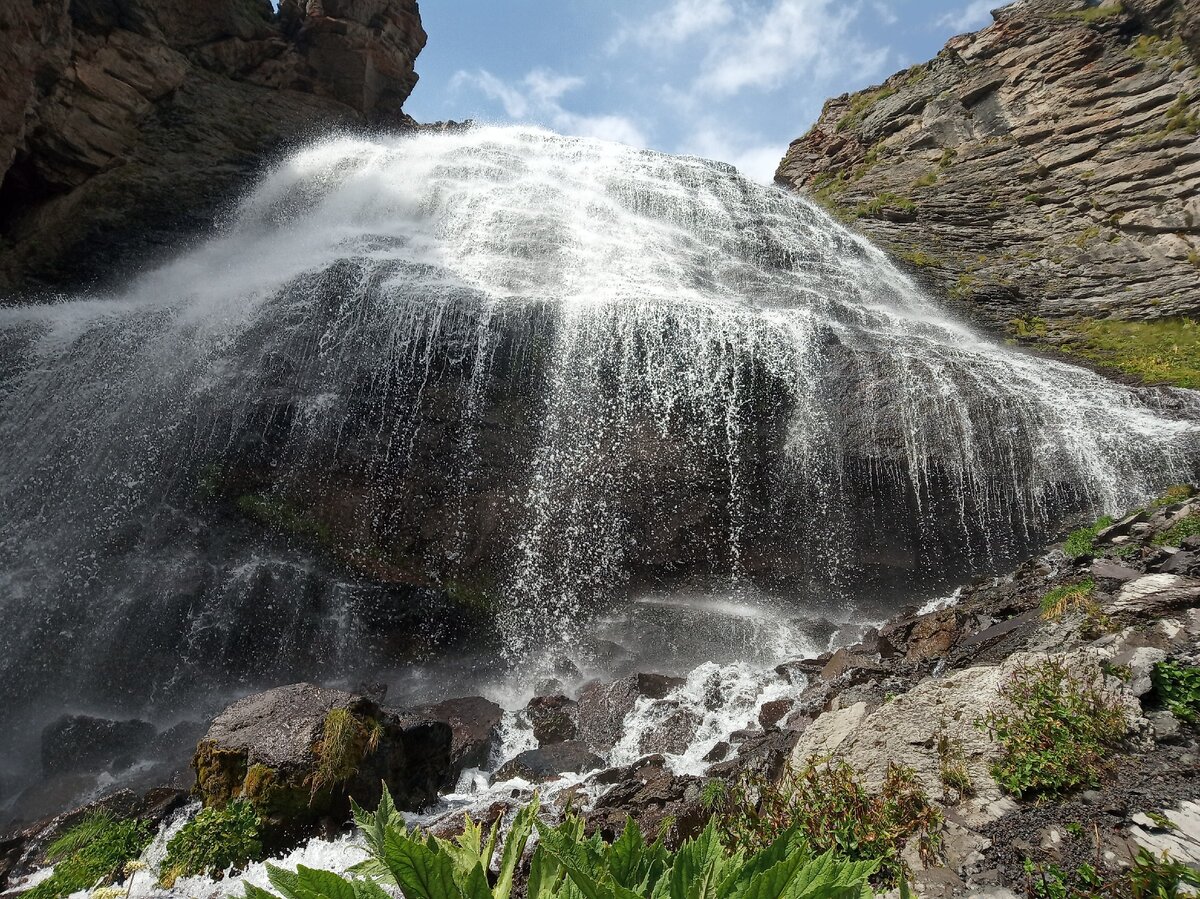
(425, 376)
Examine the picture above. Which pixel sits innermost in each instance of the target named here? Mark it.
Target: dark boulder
(603, 706)
(474, 723)
(549, 762)
(553, 719)
(673, 734)
(83, 743)
(653, 797)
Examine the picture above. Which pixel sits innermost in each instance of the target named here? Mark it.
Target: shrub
(1065, 597)
(93, 852)
(566, 865)
(1177, 687)
(825, 802)
(1180, 531)
(213, 842)
(1055, 729)
(1081, 543)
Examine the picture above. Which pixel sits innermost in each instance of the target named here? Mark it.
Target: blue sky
(727, 79)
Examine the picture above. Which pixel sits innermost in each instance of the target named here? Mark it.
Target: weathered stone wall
(128, 123)
(1042, 172)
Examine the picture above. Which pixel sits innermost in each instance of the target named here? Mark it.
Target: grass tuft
(1062, 599)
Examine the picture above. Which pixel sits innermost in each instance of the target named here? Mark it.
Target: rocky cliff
(128, 123)
(1044, 173)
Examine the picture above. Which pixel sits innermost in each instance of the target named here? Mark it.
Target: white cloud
(790, 38)
(974, 15)
(749, 153)
(537, 98)
(681, 21)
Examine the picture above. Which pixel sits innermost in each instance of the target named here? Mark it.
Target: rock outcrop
(129, 123)
(1043, 173)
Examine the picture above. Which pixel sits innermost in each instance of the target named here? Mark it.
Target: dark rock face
(553, 719)
(651, 796)
(1032, 165)
(129, 124)
(603, 707)
(299, 753)
(83, 743)
(473, 721)
(548, 762)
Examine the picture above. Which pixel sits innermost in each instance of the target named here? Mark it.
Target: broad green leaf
(545, 874)
(514, 848)
(309, 883)
(419, 871)
(625, 858)
(476, 885)
(253, 892)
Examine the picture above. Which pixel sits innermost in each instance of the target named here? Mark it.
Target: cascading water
(427, 378)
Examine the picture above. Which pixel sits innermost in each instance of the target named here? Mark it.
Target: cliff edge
(128, 123)
(1043, 173)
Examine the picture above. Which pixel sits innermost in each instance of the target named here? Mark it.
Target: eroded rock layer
(127, 123)
(1045, 171)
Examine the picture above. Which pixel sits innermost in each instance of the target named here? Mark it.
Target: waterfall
(420, 381)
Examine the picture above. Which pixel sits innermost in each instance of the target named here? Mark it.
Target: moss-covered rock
(300, 753)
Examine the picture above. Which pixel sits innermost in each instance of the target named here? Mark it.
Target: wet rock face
(548, 762)
(1031, 165)
(603, 706)
(300, 753)
(473, 722)
(84, 743)
(128, 124)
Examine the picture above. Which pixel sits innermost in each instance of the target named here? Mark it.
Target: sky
(734, 80)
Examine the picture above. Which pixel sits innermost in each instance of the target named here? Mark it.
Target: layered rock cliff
(128, 123)
(1044, 173)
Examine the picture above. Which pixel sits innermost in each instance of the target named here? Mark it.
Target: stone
(859, 667)
(549, 763)
(602, 707)
(932, 636)
(1152, 595)
(1164, 726)
(653, 797)
(828, 732)
(1036, 166)
(773, 712)
(1140, 661)
(1113, 571)
(270, 748)
(672, 734)
(78, 743)
(553, 719)
(129, 126)
(474, 724)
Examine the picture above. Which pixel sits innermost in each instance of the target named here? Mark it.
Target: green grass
(885, 200)
(1151, 47)
(964, 287)
(1182, 116)
(93, 852)
(1056, 729)
(1029, 327)
(1178, 532)
(214, 841)
(1081, 543)
(1065, 597)
(918, 258)
(345, 741)
(1091, 13)
(1176, 493)
(1164, 351)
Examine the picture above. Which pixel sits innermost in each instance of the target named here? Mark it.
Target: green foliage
(1176, 493)
(565, 865)
(927, 180)
(1178, 532)
(93, 852)
(1055, 729)
(1181, 116)
(1163, 351)
(1090, 233)
(345, 741)
(216, 840)
(1152, 877)
(919, 258)
(826, 804)
(1177, 687)
(1091, 14)
(1065, 597)
(952, 767)
(885, 200)
(1081, 543)
(964, 287)
(1152, 47)
(1053, 882)
(1033, 327)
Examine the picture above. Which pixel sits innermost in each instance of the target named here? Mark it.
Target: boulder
(76, 743)
(653, 797)
(300, 753)
(474, 723)
(549, 762)
(603, 706)
(672, 733)
(773, 712)
(1154, 594)
(553, 719)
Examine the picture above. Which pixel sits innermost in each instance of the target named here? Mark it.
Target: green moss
(215, 841)
(1029, 328)
(1151, 47)
(918, 258)
(93, 852)
(1088, 234)
(885, 200)
(927, 180)
(1180, 531)
(1081, 543)
(948, 156)
(1176, 493)
(1091, 13)
(1165, 351)
(1182, 116)
(219, 773)
(281, 515)
(964, 287)
(861, 104)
